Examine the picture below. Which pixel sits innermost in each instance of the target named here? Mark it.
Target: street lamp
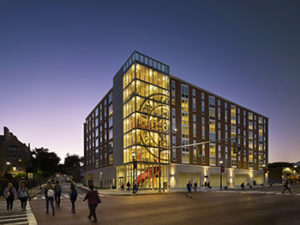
(159, 173)
(264, 168)
(221, 170)
(133, 168)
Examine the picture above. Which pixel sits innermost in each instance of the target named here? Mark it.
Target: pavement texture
(231, 207)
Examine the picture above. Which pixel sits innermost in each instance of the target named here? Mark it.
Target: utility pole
(159, 173)
(221, 171)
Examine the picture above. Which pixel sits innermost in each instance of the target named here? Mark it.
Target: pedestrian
(57, 193)
(189, 190)
(243, 186)
(208, 185)
(205, 184)
(93, 201)
(128, 186)
(10, 194)
(135, 188)
(73, 196)
(122, 187)
(23, 195)
(286, 186)
(195, 186)
(49, 195)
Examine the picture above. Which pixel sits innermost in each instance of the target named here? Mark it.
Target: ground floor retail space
(146, 176)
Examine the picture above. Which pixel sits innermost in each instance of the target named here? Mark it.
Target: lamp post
(221, 171)
(133, 168)
(7, 166)
(264, 167)
(159, 172)
(295, 167)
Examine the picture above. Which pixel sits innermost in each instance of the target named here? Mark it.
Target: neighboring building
(14, 155)
(148, 108)
(279, 171)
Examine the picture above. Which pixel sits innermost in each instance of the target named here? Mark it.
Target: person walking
(135, 188)
(243, 186)
(49, 194)
(195, 186)
(128, 186)
(73, 196)
(57, 193)
(189, 190)
(286, 186)
(122, 187)
(93, 201)
(10, 194)
(23, 195)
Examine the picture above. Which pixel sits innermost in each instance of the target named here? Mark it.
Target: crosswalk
(63, 196)
(16, 216)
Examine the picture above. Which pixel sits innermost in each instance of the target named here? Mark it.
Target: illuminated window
(185, 153)
(250, 115)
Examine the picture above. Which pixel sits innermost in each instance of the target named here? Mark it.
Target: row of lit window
(138, 57)
(150, 107)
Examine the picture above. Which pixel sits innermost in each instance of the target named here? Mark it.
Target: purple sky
(58, 58)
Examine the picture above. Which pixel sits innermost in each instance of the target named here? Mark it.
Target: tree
(45, 162)
(72, 166)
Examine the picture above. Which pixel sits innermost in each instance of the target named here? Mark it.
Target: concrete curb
(36, 192)
(30, 216)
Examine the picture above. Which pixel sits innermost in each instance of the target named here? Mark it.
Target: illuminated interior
(146, 123)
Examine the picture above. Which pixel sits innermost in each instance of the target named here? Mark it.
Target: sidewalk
(118, 192)
(36, 190)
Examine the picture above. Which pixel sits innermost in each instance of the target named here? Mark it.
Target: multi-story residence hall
(15, 156)
(148, 109)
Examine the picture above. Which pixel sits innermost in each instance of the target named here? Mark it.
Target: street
(205, 208)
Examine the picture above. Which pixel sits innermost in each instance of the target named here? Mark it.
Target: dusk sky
(58, 59)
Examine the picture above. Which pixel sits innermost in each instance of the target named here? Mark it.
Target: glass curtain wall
(146, 124)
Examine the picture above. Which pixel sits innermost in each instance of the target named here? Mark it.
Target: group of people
(134, 189)
(11, 194)
(54, 193)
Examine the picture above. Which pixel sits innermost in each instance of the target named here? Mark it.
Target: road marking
(18, 223)
(66, 196)
(15, 215)
(30, 216)
(43, 197)
(12, 219)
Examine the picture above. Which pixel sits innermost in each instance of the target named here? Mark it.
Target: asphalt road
(205, 208)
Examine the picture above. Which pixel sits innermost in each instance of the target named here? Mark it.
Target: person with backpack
(93, 201)
(57, 193)
(23, 195)
(73, 196)
(49, 194)
(10, 194)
